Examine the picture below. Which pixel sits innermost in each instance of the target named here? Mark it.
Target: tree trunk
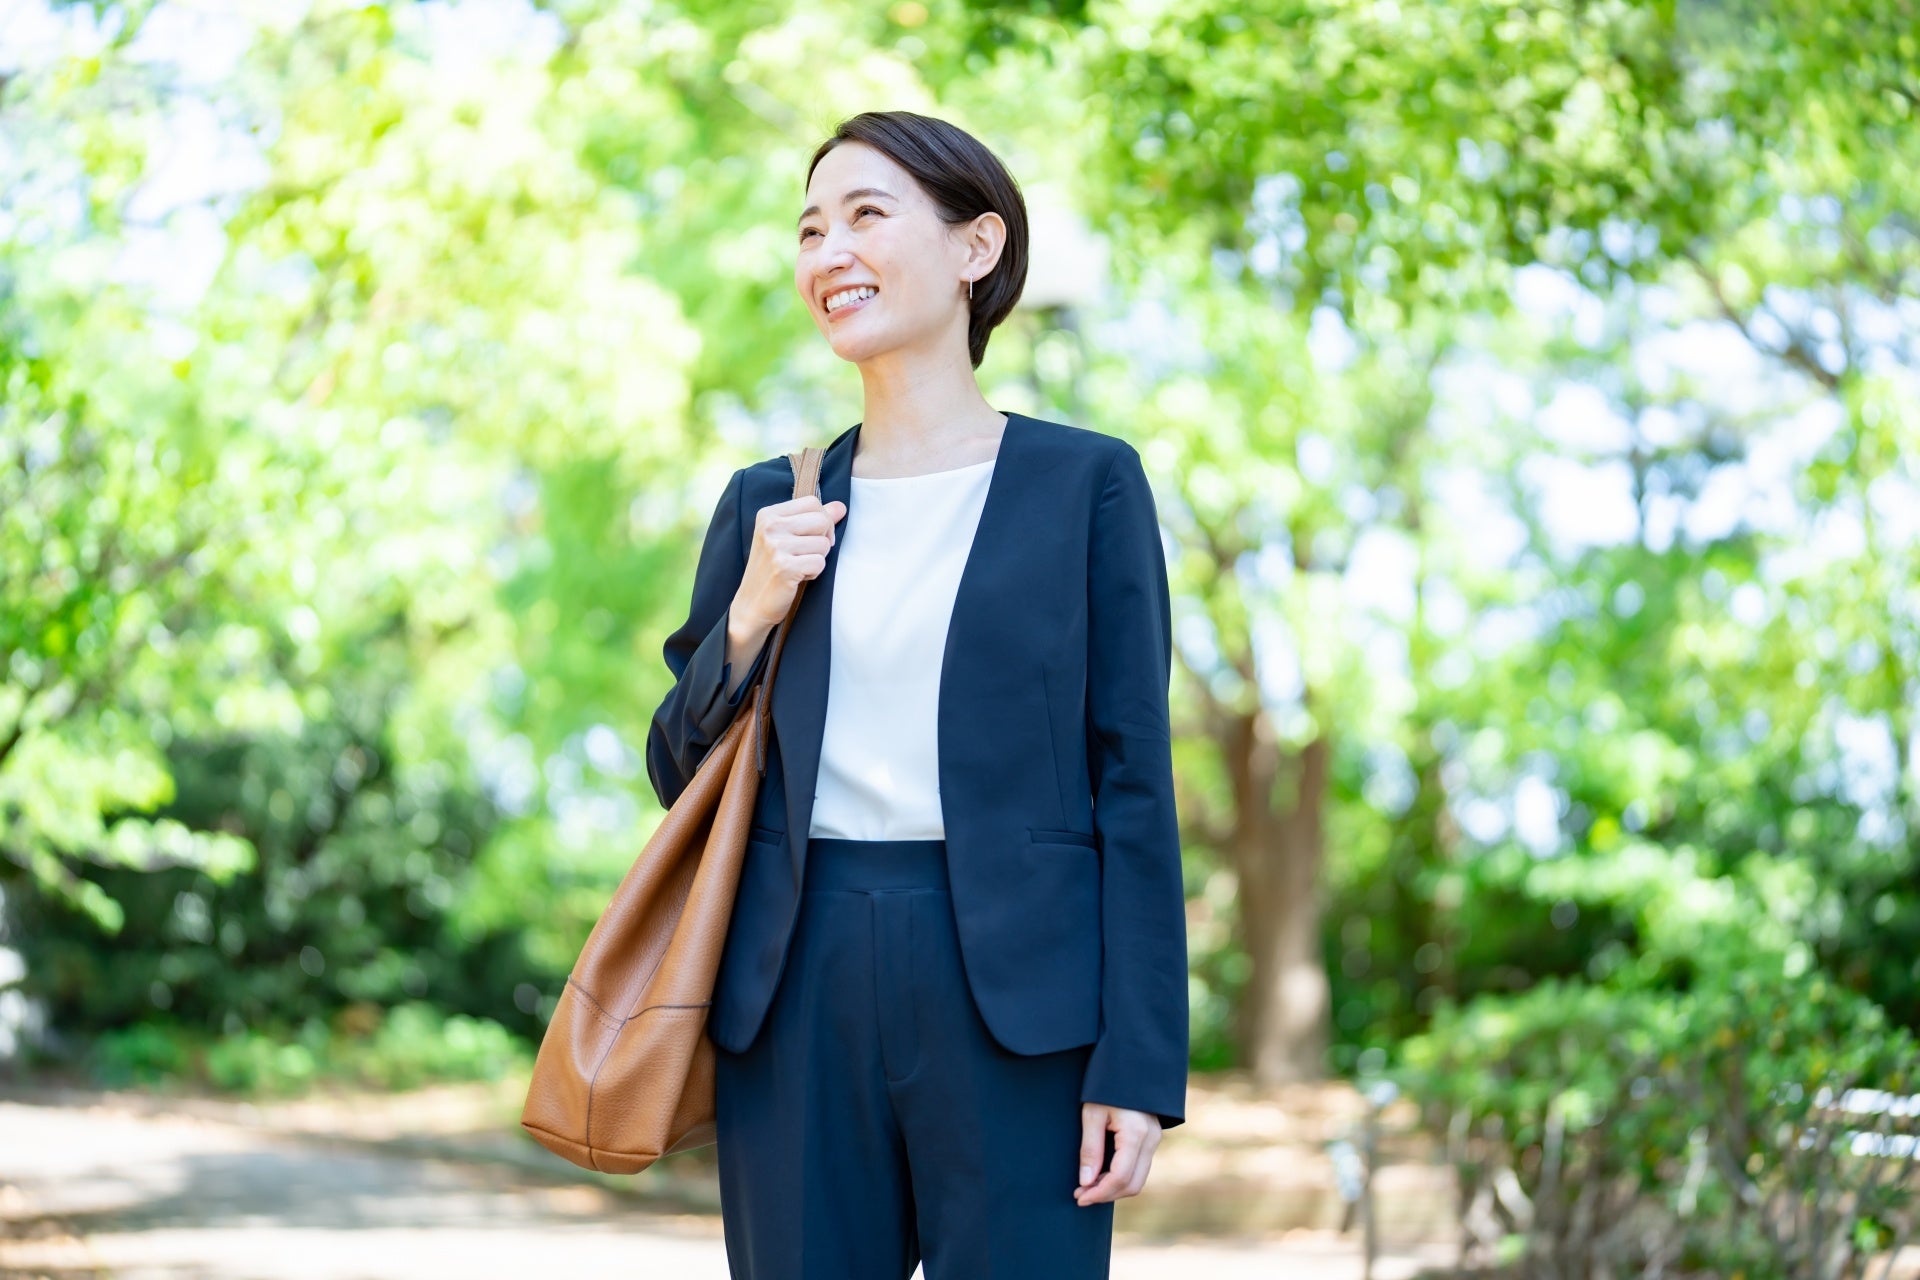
(1278, 848)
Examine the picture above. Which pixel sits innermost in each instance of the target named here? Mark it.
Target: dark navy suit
(1056, 782)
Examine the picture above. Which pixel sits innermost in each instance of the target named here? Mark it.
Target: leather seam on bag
(613, 1019)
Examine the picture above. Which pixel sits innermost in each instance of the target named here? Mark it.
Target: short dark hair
(964, 179)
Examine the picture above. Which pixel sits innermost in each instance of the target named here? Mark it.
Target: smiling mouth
(849, 300)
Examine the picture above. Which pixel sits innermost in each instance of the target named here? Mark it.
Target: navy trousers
(874, 1121)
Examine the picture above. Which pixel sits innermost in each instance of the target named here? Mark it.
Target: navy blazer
(1055, 763)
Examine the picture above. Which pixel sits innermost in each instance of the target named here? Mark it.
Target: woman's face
(868, 223)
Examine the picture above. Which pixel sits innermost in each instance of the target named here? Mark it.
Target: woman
(951, 1014)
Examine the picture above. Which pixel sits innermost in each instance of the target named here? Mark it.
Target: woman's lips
(851, 307)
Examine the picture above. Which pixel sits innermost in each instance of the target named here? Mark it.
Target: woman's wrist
(745, 635)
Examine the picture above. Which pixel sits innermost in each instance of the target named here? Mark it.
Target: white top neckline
(924, 475)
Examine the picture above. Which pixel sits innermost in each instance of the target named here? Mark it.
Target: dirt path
(131, 1188)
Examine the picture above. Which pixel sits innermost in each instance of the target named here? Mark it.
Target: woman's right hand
(790, 544)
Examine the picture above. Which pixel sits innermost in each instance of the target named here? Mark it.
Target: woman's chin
(855, 348)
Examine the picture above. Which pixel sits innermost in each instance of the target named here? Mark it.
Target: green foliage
(404, 1047)
(1619, 1128)
(113, 533)
(362, 858)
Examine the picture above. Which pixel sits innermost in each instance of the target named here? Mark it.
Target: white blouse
(893, 591)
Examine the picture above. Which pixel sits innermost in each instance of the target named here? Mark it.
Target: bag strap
(806, 483)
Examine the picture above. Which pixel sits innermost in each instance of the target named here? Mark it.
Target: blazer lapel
(799, 712)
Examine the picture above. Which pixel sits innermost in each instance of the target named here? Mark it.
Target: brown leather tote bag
(625, 1070)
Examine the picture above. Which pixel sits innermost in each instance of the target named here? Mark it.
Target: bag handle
(806, 483)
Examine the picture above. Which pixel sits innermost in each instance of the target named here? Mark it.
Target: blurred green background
(1531, 392)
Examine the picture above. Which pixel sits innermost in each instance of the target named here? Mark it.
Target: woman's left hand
(1136, 1134)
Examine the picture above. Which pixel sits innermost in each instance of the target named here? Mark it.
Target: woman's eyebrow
(858, 193)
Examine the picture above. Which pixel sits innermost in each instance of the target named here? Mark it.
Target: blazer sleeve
(1139, 1060)
(703, 700)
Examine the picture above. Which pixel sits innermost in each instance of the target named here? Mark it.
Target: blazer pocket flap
(1047, 835)
(768, 834)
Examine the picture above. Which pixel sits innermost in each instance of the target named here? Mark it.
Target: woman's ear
(986, 236)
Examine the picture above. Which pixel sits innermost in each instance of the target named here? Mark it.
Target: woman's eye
(865, 208)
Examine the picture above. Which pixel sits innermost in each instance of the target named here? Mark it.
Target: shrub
(1723, 1130)
(410, 1045)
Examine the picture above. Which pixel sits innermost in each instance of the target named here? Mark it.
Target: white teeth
(839, 300)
